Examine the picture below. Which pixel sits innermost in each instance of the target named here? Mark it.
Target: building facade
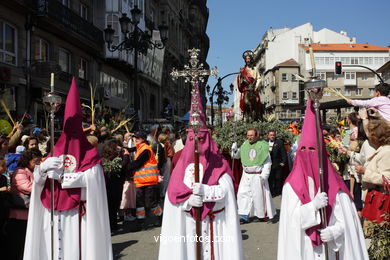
(66, 37)
(283, 53)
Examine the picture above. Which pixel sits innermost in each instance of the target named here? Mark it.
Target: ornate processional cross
(194, 73)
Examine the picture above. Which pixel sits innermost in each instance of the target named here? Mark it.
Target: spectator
(279, 160)
(4, 189)
(31, 142)
(294, 126)
(21, 185)
(145, 171)
(381, 101)
(13, 158)
(114, 175)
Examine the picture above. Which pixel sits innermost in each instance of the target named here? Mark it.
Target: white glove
(234, 147)
(160, 179)
(198, 189)
(51, 163)
(195, 201)
(326, 235)
(55, 174)
(320, 200)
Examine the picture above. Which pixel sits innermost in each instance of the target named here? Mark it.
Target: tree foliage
(235, 131)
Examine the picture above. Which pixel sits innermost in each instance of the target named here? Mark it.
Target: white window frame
(84, 14)
(284, 95)
(3, 52)
(365, 76)
(371, 92)
(69, 69)
(350, 75)
(296, 95)
(347, 92)
(284, 77)
(65, 3)
(83, 69)
(321, 75)
(39, 41)
(354, 60)
(359, 92)
(293, 78)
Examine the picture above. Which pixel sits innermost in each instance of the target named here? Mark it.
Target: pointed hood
(73, 147)
(73, 141)
(212, 164)
(304, 177)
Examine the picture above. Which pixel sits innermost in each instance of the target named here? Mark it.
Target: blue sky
(235, 26)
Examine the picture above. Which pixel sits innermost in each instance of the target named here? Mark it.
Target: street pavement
(260, 241)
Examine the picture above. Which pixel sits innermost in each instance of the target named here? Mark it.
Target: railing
(69, 19)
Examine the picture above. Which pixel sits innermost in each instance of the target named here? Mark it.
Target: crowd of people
(144, 170)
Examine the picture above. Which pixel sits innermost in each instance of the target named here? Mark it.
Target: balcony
(66, 20)
(350, 82)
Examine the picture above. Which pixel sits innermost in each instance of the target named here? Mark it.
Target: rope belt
(253, 172)
(211, 215)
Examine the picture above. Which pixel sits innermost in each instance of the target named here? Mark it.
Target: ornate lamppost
(134, 40)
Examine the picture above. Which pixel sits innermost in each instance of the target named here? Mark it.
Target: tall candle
(52, 82)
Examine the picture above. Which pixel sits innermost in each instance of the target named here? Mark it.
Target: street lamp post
(136, 40)
(220, 92)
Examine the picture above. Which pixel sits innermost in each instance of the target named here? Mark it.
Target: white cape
(177, 239)
(295, 218)
(95, 226)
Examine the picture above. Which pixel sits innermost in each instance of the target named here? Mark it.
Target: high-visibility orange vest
(148, 173)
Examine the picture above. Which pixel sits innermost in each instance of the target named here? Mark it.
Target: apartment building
(66, 37)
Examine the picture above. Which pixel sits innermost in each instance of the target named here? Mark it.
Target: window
(285, 95)
(327, 60)
(294, 95)
(321, 75)
(65, 2)
(347, 92)
(293, 78)
(334, 76)
(349, 109)
(113, 20)
(7, 43)
(41, 51)
(358, 91)
(350, 75)
(284, 77)
(64, 60)
(83, 69)
(116, 87)
(84, 11)
(371, 92)
(361, 60)
(364, 76)
(326, 94)
(354, 60)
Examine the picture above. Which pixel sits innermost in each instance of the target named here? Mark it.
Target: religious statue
(248, 81)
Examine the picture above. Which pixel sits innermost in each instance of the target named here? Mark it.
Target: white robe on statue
(177, 239)
(295, 218)
(95, 226)
(254, 197)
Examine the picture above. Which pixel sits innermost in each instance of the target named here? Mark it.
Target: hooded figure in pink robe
(81, 223)
(300, 233)
(221, 235)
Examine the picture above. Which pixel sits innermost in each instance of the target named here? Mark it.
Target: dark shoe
(244, 219)
(256, 219)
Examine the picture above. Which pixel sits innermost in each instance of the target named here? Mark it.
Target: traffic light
(338, 67)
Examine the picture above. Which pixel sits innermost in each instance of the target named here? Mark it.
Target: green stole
(254, 154)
